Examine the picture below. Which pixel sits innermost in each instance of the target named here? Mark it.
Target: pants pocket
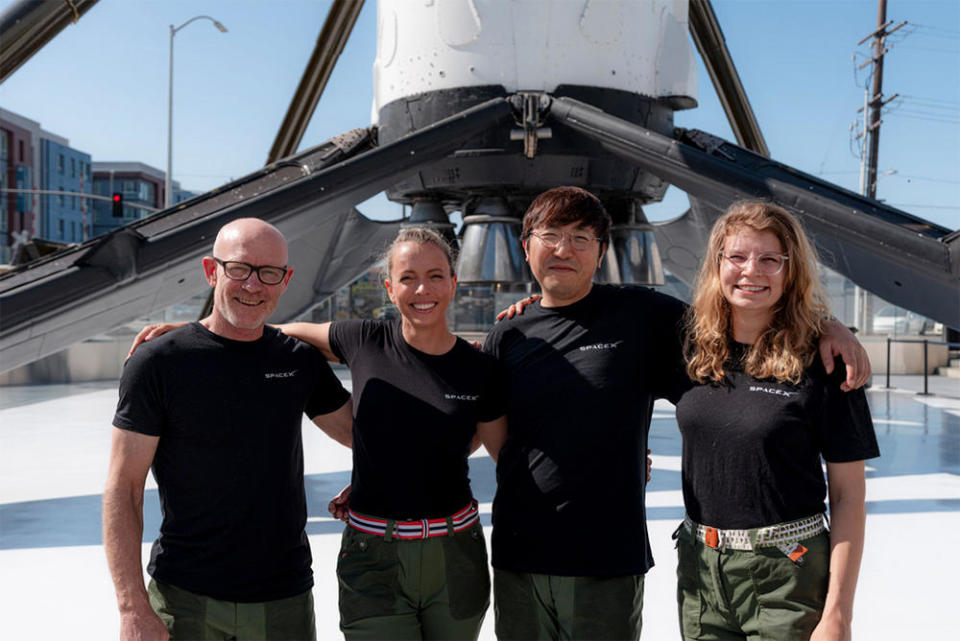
(791, 595)
(367, 575)
(689, 604)
(184, 614)
(467, 575)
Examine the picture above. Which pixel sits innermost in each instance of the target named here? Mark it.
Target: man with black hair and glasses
(215, 410)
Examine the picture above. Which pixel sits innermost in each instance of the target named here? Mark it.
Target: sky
(102, 84)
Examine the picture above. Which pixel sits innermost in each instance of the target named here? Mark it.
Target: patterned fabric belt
(782, 535)
(422, 529)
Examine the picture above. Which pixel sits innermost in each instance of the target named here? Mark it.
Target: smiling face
(749, 291)
(565, 274)
(241, 307)
(421, 284)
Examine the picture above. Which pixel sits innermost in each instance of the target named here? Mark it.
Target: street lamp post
(168, 184)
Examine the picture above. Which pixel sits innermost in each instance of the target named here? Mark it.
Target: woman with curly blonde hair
(756, 558)
(786, 345)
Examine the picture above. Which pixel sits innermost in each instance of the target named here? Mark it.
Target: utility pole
(876, 98)
(873, 103)
(876, 101)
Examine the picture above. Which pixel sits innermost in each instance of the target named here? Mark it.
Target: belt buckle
(711, 537)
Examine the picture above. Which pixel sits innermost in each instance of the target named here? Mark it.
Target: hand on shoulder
(517, 308)
(838, 340)
(151, 332)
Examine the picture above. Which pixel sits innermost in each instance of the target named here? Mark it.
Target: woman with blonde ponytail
(412, 561)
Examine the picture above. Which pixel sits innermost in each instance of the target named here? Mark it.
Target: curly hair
(785, 348)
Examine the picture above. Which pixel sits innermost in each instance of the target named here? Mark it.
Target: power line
(933, 49)
(937, 32)
(920, 112)
(927, 119)
(927, 107)
(932, 180)
(953, 103)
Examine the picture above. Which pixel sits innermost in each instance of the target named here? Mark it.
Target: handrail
(926, 343)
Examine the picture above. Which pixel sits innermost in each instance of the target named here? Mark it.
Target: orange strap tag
(711, 538)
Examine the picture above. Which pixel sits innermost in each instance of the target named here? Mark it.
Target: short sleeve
(491, 345)
(846, 428)
(328, 394)
(140, 407)
(346, 337)
(672, 381)
(493, 403)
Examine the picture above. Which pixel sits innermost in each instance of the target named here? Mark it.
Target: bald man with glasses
(215, 409)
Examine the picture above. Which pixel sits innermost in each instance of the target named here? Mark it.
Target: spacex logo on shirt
(599, 346)
(772, 390)
(461, 397)
(270, 375)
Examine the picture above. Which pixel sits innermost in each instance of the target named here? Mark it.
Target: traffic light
(117, 204)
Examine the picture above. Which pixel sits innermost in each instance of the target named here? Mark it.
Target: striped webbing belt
(420, 529)
(782, 535)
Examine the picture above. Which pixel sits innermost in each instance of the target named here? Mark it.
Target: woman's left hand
(831, 629)
(339, 506)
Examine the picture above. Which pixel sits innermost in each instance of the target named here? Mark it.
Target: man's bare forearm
(338, 424)
(122, 536)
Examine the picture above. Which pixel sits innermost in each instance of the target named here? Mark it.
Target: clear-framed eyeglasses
(552, 239)
(767, 263)
(268, 274)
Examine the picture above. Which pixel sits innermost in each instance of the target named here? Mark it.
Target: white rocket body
(632, 59)
(637, 46)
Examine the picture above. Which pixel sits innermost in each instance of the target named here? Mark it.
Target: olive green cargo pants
(546, 607)
(194, 617)
(423, 589)
(761, 595)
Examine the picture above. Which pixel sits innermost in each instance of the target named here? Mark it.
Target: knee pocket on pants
(467, 575)
(367, 574)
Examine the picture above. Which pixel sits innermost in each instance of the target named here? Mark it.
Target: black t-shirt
(229, 463)
(571, 476)
(415, 415)
(752, 448)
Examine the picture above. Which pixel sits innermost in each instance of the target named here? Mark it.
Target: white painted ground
(54, 452)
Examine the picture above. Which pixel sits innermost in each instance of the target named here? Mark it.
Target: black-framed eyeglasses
(268, 274)
(552, 239)
(767, 263)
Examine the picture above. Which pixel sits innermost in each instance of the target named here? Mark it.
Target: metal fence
(926, 343)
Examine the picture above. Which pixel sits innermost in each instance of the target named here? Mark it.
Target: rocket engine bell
(436, 58)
